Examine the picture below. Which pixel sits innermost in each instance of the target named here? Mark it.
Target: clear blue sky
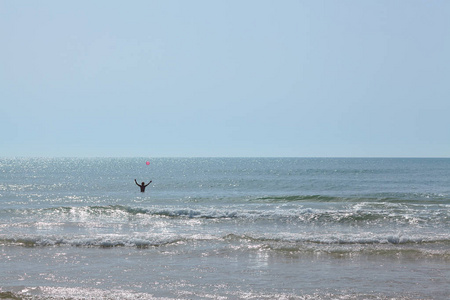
(225, 78)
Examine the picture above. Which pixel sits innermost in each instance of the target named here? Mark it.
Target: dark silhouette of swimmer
(142, 185)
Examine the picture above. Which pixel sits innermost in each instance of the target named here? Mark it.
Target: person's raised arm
(137, 183)
(148, 183)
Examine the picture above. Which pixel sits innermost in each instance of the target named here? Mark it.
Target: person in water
(142, 185)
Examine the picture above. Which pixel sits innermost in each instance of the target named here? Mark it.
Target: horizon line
(164, 157)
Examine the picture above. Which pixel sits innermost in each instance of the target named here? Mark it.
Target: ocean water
(225, 228)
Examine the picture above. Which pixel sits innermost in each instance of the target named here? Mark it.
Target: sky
(251, 78)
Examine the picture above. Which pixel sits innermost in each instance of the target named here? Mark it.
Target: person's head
(143, 183)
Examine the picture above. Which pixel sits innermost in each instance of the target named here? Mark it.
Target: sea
(225, 228)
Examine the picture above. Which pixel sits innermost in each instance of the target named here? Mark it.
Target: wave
(383, 244)
(107, 241)
(342, 245)
(98, 241)
(346, 239)
(413, 198)
(359, 213)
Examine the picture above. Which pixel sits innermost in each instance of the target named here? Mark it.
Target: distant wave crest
(380, 198)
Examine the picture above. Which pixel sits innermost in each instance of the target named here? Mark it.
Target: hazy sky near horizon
(225, 78)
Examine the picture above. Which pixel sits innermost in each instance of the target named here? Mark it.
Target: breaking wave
(360, 213)
(328, 243)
